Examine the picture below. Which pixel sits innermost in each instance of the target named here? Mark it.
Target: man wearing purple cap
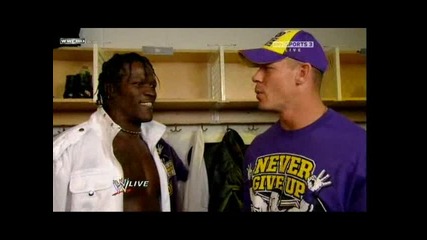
(313, 158)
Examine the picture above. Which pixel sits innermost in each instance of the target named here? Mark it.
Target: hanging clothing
(196, 197)
(224, 161)
(175, 169)
(181, 142)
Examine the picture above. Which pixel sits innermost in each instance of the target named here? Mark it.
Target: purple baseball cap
(296, 44)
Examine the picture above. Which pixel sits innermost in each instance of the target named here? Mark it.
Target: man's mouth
(146, 104)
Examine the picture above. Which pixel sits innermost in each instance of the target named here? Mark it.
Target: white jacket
(84, 165)
(196, 196)
(194, 193)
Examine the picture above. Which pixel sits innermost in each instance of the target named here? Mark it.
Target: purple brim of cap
(261, 56)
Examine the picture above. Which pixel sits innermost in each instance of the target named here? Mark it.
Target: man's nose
(257, 77)
(150, 92)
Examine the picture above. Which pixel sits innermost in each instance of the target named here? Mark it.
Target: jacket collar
(151, 131)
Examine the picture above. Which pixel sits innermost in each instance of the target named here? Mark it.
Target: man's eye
(144, 84)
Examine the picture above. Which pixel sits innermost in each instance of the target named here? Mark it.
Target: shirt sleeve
(61, 173)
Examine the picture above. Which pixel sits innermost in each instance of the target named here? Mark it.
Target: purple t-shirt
(321, 167)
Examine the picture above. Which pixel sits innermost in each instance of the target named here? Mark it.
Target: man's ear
(303, 73)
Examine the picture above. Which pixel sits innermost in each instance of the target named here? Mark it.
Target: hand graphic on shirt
(316, 183)
(249, 169)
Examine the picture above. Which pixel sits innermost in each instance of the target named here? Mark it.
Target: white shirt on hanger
(196, 197)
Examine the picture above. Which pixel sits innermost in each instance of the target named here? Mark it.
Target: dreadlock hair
(113, 71)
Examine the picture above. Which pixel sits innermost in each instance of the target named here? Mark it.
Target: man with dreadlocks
(117, 161)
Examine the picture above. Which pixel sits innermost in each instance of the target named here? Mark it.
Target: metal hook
(176, 129)
(253, 128)
(204, 129)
